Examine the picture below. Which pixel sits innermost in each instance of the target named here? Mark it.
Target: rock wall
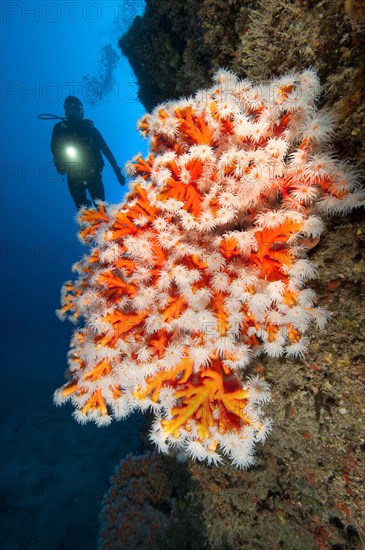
(306, 489)
(176, 47)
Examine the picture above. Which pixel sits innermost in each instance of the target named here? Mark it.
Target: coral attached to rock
(138, 506)
(203, 266)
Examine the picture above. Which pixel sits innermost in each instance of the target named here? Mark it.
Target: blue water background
(54, 472)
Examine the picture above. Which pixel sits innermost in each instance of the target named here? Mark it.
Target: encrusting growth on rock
(203, 265)
(138, 507)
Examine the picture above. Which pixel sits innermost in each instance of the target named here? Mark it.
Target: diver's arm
(105, 150)
(109, 156)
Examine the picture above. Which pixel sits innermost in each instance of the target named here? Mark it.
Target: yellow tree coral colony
(203, 265)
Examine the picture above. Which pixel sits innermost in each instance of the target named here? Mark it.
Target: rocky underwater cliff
(306, 489)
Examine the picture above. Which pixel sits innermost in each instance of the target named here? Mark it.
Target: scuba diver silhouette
(77, 146)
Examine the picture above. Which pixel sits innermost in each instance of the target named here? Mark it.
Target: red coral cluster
(203, 266)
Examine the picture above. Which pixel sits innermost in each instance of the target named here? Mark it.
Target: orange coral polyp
(199, 403)
(188, 194)
(195, 168)
(203, 264)
(194, 127)
(143, 167)
(69, 389)
(122, 322)
(155, 382)
(229, 248)
(101, 369)
(95, 403)
(116, 288)
(175, 308)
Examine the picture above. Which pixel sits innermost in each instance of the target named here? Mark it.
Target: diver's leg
(78, 193)
(96, 188)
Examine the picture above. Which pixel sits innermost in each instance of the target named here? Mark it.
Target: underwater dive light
(71, 152)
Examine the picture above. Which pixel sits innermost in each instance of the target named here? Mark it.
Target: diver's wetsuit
(84, 171)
